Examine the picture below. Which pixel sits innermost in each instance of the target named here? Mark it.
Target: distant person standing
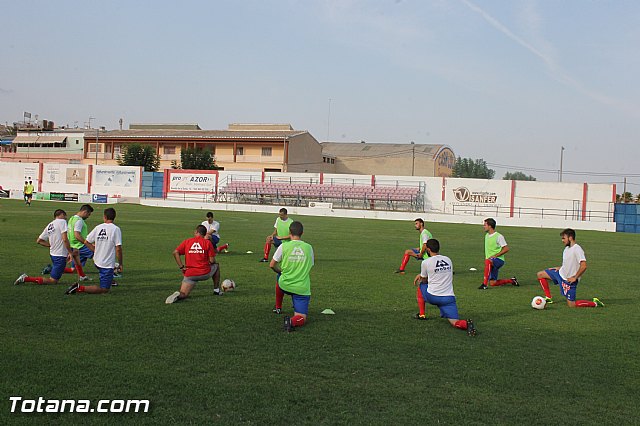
(495, 247)
(421, 250)
(280, 233)
(293, 261)
(567, 276)
(213, 232)
(28, 192)
(105, 240)
(53, 236)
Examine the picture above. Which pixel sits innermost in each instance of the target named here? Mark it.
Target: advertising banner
(196, 181)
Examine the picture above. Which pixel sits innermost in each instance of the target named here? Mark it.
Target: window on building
(333, 161)
(240, 150)
(266, 151)
(169, 150)
(95, 147)
(116, 149)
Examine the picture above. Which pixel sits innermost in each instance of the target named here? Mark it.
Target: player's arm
(119, 257)
(581, 269)
(178, 259)
(419, 279)
(65, 241)
(42, 242)
(212, 260)
(423, 250)
(78, 237)
(275, 266)
(504, 250)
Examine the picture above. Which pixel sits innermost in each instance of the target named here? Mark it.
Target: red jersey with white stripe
(197, 252)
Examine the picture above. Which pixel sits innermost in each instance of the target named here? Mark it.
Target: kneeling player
(199, 264)
(293, 261)
(419, 252)
(437, 271)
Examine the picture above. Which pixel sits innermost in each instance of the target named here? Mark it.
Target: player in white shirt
(55, 237)
(213, 233)
(567, 276)
(106, 243)
(435, 285)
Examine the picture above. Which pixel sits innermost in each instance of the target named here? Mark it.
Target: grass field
(225, 359)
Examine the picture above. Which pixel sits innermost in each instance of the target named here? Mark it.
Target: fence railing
(530, 212)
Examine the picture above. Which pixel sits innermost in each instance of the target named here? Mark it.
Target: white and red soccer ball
(228, 285)
(538, 302)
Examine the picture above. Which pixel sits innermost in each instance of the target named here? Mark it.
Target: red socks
(37, 280)
(420, 300)
(502, 282)
(487, 271)
(461, 324)
(80, 271)
(405, 260)
(69, 270)
(267, 249)
(545, 287)
(81, 289)
(226, 246)
(279, 296)
(585, 304)
(297, 320)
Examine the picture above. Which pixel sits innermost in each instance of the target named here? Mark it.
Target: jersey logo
(196, 248)
(441, 264)
(102, 235)
(50, 228)
(297, 255)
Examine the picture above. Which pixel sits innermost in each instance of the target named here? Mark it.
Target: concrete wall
(305, 154)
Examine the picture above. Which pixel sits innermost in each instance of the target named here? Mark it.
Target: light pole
(97, 135)
(413, 157)
(561, 155)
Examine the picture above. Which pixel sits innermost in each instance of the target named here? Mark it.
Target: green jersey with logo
(493, 244)
(73, 241)
(424, 237)
(282, 227)
(296, 264)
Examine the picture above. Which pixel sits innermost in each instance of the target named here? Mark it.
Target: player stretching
(54, 236)
(437, 271)
(77, 232)
(574, 263)
(199, 264)
(419, 252)
(105, 240)
(213, 233)
(280, 233)
(495, 247)
(293, 261)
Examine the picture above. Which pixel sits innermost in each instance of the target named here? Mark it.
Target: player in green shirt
(28, 192)
(419, 252)
(293, 261)
(279, 235)
(495, 247)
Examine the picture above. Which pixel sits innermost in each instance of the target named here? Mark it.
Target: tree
(140, 155)
(517, 176)
(469, 168)
(197, 159)
(627, 197)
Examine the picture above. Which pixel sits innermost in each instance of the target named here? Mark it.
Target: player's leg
(106, 280)
(543, 276)
(486, 274)
(185, 288)
(267, 248)
(58, 264)
(408, 254)
(277, 309)
(85, 254)
(496, 264)
(223, 248)
(300, 311)
(215, 269)
(215, 240)
(421, 290)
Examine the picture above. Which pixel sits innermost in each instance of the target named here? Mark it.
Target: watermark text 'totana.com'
(42, 405)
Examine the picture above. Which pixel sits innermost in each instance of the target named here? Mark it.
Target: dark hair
(296, 228)
(491, 222)
(210, 214)
(433, 245)
(419, 220)
(283, 210)
(110, 213)
(86, 208)
(570, 233)
(58, 213)
(201, 230)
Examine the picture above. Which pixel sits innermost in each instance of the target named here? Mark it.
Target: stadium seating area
(342, 196)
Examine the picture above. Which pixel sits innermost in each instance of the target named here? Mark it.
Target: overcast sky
(509, 81)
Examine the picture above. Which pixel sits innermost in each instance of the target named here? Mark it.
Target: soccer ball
(538, 302)
(228, 285)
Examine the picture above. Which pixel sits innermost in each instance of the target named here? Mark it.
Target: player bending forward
(293, 261)
(419, 252)
(437, 271)
(574, 264)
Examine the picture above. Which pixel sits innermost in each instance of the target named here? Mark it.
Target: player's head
(568, 235)
(59, 214)
(110, 214)
(282, 213)
(25, 182)
(85, 211)
(29, 182)
(433, 246)
(419, 223)
(296, 229)
(210, 217)
(201, 230)
(489, 223)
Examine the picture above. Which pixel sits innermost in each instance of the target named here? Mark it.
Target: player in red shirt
(199, 264)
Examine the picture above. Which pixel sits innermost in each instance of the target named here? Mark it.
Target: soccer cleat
(73, 289)
(85, 278)
(227, 249)
(471, 328)
(277, 311)
(287, 326)
(420, 317)
(400, 271)
(263, 260)
(548, 300)
(217, 293)
(20, 279)
(514, 282)
(47, 269)
(482, 287)
(173, 298)
(114, 284)
(117, 275)
(598, 302)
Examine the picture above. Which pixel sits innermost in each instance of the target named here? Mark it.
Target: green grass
(226, 360)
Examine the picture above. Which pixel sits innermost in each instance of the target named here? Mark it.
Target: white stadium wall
(116, 181)
(13, 175)
(65, 178)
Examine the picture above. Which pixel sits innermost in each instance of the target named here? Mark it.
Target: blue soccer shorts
(106, 277)
(276, 241)
(417, 252)
(58, 264)
(496, 264)
(447, 304)
(85, 254)
(300, 303)
(567, 289)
